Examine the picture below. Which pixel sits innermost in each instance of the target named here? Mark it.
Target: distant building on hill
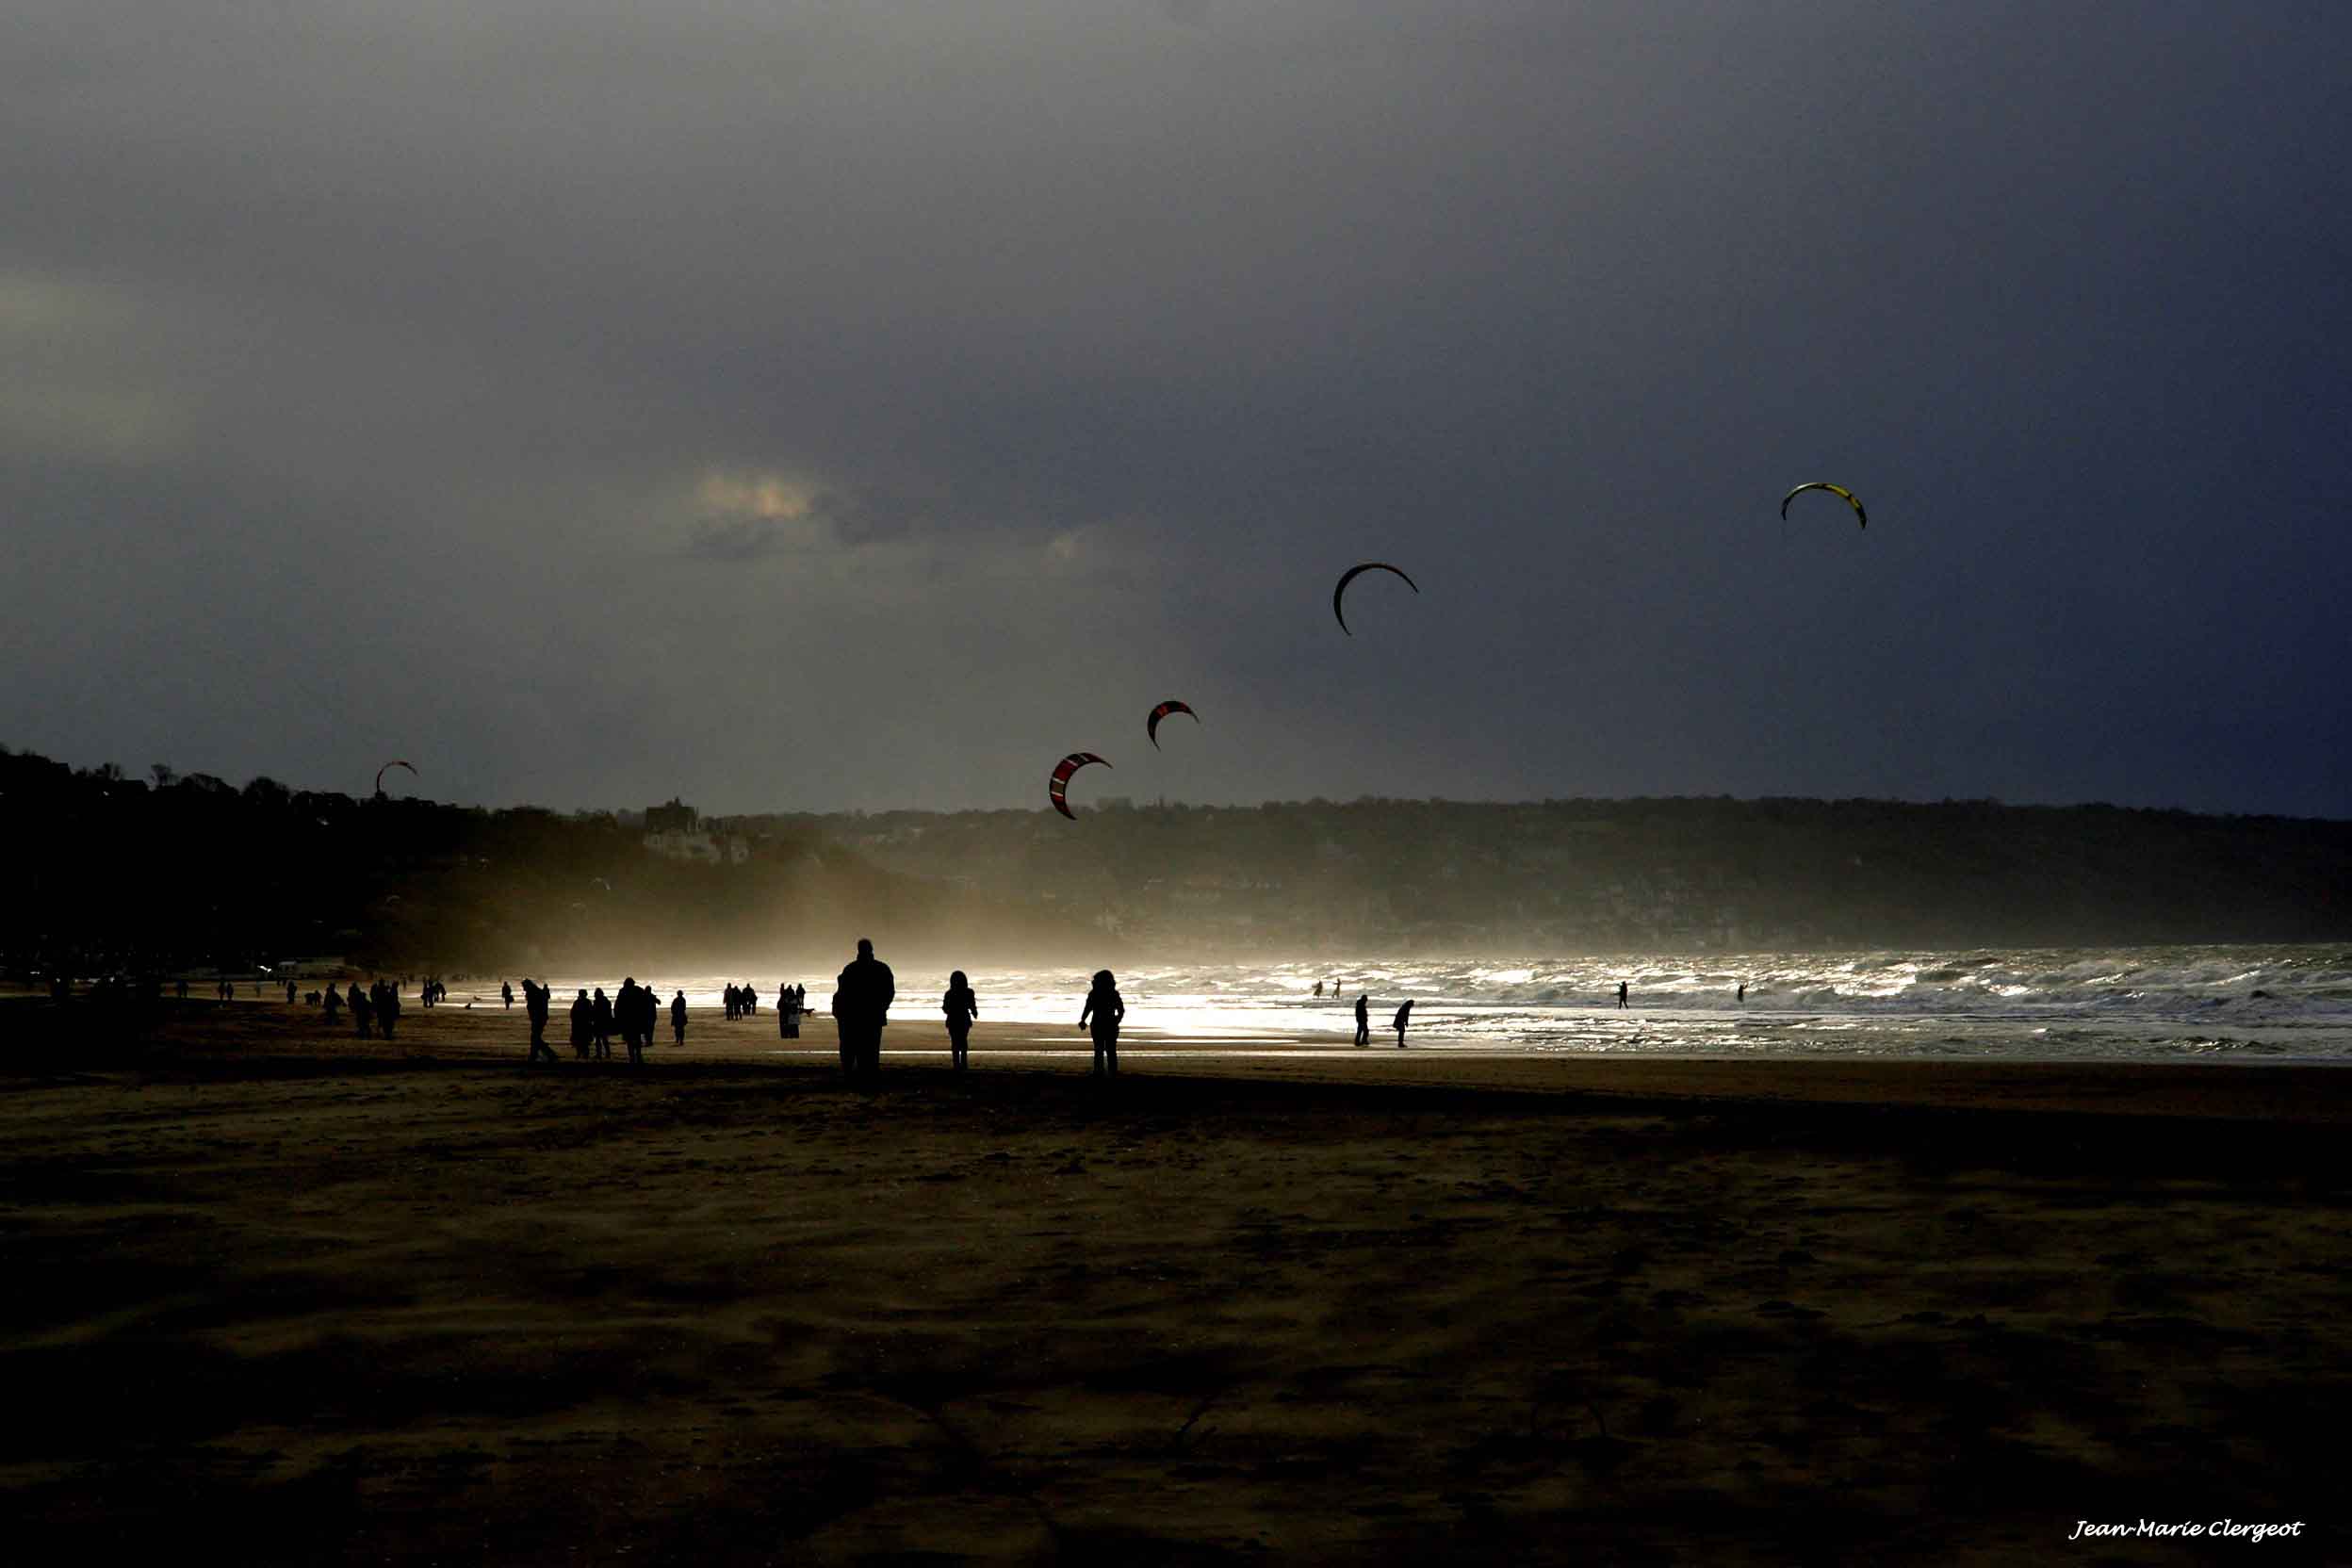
(715, 849)
(677, 817)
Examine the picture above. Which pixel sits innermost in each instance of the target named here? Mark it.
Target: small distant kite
(1151, 725)
(387, 768)
(1349, 576)
(1860, 515)
(1058, 791)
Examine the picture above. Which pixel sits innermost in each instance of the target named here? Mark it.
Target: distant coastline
(121, 874)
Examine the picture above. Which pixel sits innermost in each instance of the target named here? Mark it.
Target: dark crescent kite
(1058, 791)
(1349, 576)
(1151, 725)
(387, 768)
(1861, 516)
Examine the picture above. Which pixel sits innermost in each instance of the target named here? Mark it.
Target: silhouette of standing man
(1364, 1020)
(535, 1007)
(1621, 993)
(1404, 1016)
(861, 1006)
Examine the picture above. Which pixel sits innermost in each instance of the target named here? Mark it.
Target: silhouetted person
(600, 1025)
(332, 1003)
(625, 1012)
(535, 1009)
(1743, 992)
(961, 1007)
(388, 1009)
(751, 1001)
(1106, 1009)
(289, 993)
(678, 1018)
(363, 1009)
(1318, 990)
(648, 1018)
(633, 1012)
(1363, 1019)
(726, 998)
(787, 1013)
(583, 1025)
(1621, 993)
(506, 994)
(1404, 1016)
(861, 1008)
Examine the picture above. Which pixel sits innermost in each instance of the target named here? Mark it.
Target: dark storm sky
(863, 404)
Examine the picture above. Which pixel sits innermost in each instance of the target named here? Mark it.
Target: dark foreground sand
(273, 1296)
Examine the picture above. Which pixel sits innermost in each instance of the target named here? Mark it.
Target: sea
(2237, 1004)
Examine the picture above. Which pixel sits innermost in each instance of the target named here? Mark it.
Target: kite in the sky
(1058, 791)
(1151, 725)
(1860, 515)
(1349, 576)
(387, 768)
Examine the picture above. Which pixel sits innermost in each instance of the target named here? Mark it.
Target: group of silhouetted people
(742, 1002)
(377, 1008)
(633, 1012)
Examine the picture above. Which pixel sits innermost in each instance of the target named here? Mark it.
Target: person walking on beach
(600, 1025)
(1318, 990)
(1743, 993)
(1404, 1016)
(1106, 1009)
(861, 1006)
(332, 1005)
(506, 994)
(535, 1009)
(363, 1010)
(787, 1013)
(388, 1009)
(1621, 993)
(1363, 1019)
(583, 1025)
(678, 1018)
(751, 1000)
(961, 1007)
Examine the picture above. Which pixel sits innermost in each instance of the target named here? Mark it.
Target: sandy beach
(332, 1300)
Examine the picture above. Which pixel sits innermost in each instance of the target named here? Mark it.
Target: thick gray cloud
(865, 403)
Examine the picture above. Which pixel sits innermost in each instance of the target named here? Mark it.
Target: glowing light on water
(2277, 1003)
